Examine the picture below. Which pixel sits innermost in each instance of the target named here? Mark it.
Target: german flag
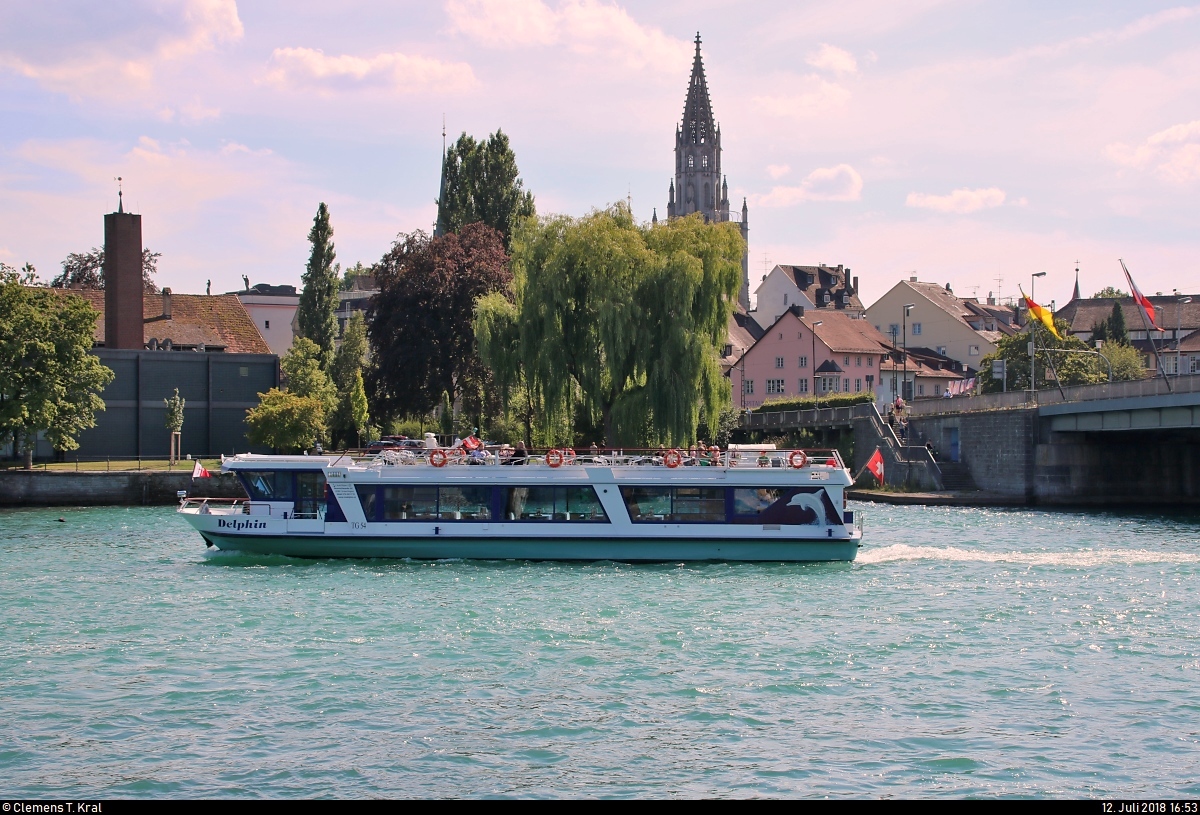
(1040, 314)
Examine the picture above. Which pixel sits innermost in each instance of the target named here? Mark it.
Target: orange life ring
(568, 456)
(672, 458)
(458, 452)
(555, 458)
(797, 459)
(437, 458)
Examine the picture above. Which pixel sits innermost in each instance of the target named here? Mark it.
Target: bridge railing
(822, 417)
(1053, 396)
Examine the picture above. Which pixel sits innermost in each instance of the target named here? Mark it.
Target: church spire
(439, 228)
(698, 125)
(1076, 296)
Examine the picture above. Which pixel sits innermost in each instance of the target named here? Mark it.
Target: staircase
(956, 477)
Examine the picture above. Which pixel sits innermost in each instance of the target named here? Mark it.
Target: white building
(960, 328)
(813, 288)
(272, 308)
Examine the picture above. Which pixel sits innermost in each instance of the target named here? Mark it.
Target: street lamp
(1182, 301)
(907, 308)
(1032, 341)
(813, 327)
(892, 356)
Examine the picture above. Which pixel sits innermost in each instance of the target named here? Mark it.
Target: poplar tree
(319, 297)
(481, 184)
(351, 416)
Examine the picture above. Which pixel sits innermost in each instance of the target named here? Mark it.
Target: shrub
(809, 402)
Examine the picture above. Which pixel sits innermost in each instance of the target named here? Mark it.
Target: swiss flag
(875, 465)
(200, 472)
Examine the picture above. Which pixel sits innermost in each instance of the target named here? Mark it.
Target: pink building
(819, 352)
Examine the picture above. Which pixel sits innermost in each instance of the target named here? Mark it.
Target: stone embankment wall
(20, 488)
(998, 447)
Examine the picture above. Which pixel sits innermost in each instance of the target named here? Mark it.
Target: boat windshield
(268, 485)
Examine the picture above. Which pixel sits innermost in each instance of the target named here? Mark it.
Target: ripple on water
(965, 652)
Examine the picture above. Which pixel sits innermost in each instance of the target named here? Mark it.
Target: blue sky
(962, 141)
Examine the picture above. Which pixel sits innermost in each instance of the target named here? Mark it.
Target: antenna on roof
(120, 194)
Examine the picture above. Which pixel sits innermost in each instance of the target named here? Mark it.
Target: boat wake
(1082, 557)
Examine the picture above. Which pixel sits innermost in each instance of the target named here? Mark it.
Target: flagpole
(1142, 310)
(1050, 364)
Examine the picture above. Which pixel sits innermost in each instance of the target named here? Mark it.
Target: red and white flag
(875, 465)
(1140, 298)
(200, 472)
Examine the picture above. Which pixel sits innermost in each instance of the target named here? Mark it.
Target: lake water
(967, 652)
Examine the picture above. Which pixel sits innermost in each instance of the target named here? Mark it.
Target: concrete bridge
(1123, 443)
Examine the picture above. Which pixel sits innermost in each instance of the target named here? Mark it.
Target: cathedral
(699, 185)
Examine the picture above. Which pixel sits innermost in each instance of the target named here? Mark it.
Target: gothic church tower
(699, 185)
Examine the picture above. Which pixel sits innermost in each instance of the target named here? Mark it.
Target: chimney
(912, 279)
(166, 297)
(123, 320)
(991, 300)
(855, 289)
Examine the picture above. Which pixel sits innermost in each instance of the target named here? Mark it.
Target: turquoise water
(967, 652)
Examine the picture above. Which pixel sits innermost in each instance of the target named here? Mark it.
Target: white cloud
(778, 171)
(311, 67)
(839, 183)
(960, 201)
(115, 65)
(586, 26)
(832, 58)
(1173, 153)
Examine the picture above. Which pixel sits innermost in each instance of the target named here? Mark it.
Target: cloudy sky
(964, 141)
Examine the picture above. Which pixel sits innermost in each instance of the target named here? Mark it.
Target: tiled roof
(217, 321)
(845, 335)
(1190, 342)
(742, 333)
(817, 281)
(1081, 315)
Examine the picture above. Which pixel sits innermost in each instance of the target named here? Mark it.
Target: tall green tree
(322, 280)
(351, 416)
(481, 184)
(628, 319)
(420, 323)
(1115, 330)
(50, 382)
(1110, 293)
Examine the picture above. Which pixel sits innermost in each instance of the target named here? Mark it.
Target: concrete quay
(48, 488)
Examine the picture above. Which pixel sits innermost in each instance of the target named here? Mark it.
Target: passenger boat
(736, 505)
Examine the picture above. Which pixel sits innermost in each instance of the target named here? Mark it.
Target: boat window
(427, 503)
(367, 497)
(465, 503)
(410, 503)
(553, 504)
(784, 505)
(268, 485)
(679, 504)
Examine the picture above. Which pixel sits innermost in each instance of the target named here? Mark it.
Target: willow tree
(624, 318)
